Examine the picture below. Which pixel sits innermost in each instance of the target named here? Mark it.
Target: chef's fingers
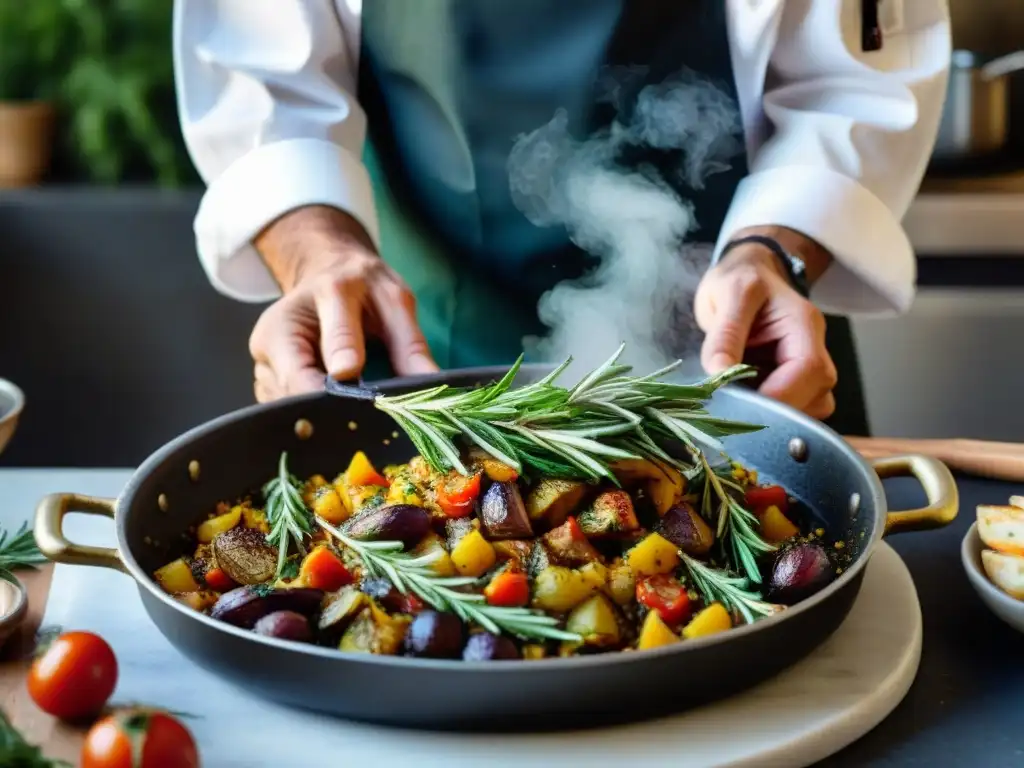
(823, 407)
(396, 308)
(265, 384)
(339, 309)
(285, 343)
(738, 298)
(805, 370)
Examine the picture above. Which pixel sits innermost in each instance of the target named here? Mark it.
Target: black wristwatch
(796, 269)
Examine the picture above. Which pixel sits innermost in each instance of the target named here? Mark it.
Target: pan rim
(161, 455)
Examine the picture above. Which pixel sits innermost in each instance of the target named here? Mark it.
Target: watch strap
(794, 266)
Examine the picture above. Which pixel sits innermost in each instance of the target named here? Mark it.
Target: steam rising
(631, 218)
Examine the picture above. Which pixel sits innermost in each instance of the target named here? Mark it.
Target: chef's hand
(337, 290)
(750, 312)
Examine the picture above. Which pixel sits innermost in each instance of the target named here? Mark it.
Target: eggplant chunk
(611, 514)
(518, 551)
(285, 625)
(569, 546)
(393, 522)
(342, 608)
(799, 572)
(383, 591)
(539, 559)
(684, 527)
(245, 556)
(551, 501)
(485, 646)
(503, 514)
(244, 606)
(435, 635)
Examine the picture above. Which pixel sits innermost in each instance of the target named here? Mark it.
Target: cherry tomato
(759, 499)
(510, 589)
(457, 494)
(321, 569)
(73, 678)
(139, 738)
(665, 596)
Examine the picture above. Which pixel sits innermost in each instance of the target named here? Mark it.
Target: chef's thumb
(342, 344)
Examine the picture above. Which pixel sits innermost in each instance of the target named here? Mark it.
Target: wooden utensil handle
(998, 461)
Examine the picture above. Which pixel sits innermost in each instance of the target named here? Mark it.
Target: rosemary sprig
(569, 433)
(18, 551)
(291, 523)
(410, 573)
(732, 591)
(735, 525)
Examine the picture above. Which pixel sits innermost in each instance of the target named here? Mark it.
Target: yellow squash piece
(327, 504)
(255, 518)
(655, 633)
(665, 484)
(712, 619)
(473, 555)
(176, 578)
(776, 527)
(430, 545)
(1002, 528)
(215, 526)
(652, 556)
(559, 589)
(594, 620)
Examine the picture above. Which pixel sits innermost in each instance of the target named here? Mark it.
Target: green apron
(448, 85)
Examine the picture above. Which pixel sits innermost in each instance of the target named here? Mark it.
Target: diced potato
(559, 589)
(516, 550)
(665, 484)
(552, 500)
(712, 619)
(374, 631)
(473, 555)
(198, 601)
(430, 544)
(776, 527)
(595, 574)
(1005, 571)
(176, 577)
(211, 528)
(610, 514)
(655, 633)
(653, 555)
(1002, 528)
(594, 620)
(621, 583)
(404, 491)
(255, 518)
(327, 504)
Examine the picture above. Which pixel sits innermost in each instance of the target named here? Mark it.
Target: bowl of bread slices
(993, 557)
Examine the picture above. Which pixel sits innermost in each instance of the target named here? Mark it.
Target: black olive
(435, 635)
(799, 572)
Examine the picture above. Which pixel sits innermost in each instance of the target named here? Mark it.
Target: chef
(356, 162)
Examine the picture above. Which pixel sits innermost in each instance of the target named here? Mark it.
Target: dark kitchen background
(109, 325)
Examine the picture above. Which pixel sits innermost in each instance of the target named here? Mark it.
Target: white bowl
(13, 608)
(1007, 608)
(12, 401)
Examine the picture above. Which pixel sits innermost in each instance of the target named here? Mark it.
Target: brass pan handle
(939, 486)
(49, 530)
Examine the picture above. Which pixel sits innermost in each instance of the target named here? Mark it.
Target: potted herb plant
(32, 46)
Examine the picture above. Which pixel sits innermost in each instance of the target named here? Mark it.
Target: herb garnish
(562, 432)
(732, 591)
(18, 551)
(412, 573)
(290, 521)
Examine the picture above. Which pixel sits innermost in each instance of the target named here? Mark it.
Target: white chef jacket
(837, 139)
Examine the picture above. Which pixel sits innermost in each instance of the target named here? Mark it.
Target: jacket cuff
(259, 188)
(873, 271)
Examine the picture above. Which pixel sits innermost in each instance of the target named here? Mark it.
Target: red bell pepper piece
(665, 596)
(759, 499)
(457, 494)
(510, 589)
(322, 569)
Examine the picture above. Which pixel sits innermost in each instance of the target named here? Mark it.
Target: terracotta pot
(26, 142)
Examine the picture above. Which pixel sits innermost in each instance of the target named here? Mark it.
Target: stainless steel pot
(975, 116)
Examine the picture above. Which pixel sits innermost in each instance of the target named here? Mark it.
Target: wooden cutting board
(58, 740)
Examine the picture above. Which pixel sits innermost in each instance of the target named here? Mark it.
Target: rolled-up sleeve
(265, 96)
(848, 135)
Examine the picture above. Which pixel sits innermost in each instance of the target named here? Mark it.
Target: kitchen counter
(964, 707)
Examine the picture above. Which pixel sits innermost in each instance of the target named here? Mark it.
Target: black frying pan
(238, 452)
